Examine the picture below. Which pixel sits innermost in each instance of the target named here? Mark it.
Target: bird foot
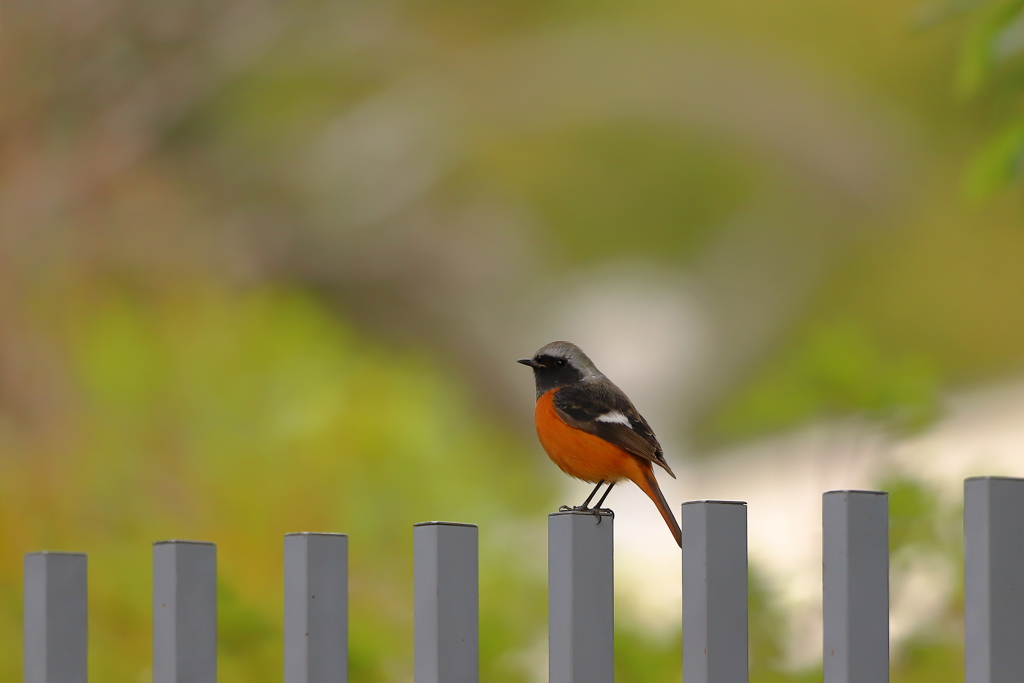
(597, 512)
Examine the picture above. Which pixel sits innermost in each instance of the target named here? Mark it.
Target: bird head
(559, 364)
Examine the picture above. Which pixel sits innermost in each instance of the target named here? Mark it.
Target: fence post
(184, 612)
(855, 586)
(447, 602)
(56, 618)
(714, 591)
(580, 597)
(993, 580)
(315, 608)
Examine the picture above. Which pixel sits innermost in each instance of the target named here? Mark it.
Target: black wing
(581, 405)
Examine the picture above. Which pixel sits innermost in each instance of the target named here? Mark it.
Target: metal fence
(855, 600)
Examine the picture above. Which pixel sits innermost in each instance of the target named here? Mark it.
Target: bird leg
(583, 508)
(597, 508)
(601, 502)
(587, 501)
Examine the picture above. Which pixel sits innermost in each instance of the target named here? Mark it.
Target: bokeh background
(266, 265)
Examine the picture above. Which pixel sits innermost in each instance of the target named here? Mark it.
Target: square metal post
(855, 584)
(581, 617)
(184, 612)
(994, 580)
(315, 608)
(56, 618)
(447, 600)
(714, 592)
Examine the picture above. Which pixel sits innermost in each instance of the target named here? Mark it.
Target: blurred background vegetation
(265, 266)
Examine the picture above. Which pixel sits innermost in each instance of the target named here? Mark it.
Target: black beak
(529, 361)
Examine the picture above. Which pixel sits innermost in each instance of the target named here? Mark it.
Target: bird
(590, 429)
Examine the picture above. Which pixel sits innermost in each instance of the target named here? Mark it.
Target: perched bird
(591, 430)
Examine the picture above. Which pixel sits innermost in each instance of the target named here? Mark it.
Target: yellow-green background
(203, 335)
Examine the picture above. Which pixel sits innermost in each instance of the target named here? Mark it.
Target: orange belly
(578, 453)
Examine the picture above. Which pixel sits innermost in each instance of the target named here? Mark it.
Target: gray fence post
(993, 580)
(855, 586)
(714, 592)
(447, 601)
(184, 612)
(580, 597)
(315, 608)
(56, 618)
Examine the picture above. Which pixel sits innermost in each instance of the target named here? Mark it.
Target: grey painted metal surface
(315, 608)
(855, 583)
(994, 580)
(184, 612)
(56, 618)
(447, 602)
(580, 597)
(714, 592)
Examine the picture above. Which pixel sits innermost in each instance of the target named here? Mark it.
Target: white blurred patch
(643, 329)
(919, 593)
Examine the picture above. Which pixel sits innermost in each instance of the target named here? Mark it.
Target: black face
(552, 372)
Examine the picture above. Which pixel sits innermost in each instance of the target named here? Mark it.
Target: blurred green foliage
(835, 370)
(998, 162)
(628, 191)
(237, 417)
(990, 68)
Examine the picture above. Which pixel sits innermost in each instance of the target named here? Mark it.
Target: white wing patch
(615, 416)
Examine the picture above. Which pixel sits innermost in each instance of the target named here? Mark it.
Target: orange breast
(578, 453)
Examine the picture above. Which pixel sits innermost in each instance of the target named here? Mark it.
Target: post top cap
(873, 493)
(716, 502)
(588, 513)
(174, 541)
(55, 552)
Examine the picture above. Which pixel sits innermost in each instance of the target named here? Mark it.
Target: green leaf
(980, 53)
(995, 164)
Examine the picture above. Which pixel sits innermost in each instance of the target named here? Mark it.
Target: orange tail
(649, 485)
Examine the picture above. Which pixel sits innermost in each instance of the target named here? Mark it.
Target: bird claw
(597, 512)
(601, 512)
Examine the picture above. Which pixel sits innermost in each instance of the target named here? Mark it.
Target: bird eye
(560, 362)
